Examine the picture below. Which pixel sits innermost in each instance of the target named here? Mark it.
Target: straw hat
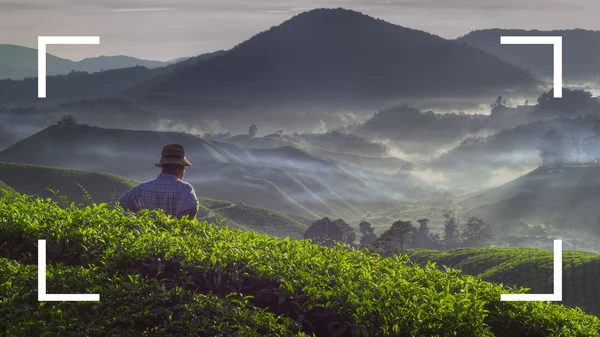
(173, 154)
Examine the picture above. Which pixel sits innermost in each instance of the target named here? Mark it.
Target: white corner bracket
(43, 41)
(556, 41)
(42, 296)
(557, 296)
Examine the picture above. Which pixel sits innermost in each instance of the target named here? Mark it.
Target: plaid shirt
(167, 192)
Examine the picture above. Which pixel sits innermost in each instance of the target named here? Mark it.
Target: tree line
(402, 235)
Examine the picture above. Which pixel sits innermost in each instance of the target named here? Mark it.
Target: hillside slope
(285, 179)
(340, 56)
(527, 267)
(4, 186)
(564, 196)
(218, 282)
(36, 180)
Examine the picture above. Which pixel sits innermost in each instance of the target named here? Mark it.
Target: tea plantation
(527, 267)
(158, 276)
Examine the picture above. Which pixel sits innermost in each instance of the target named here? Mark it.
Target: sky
(164, 30)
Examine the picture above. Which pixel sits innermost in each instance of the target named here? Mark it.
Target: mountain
(178, 59)
(581, 51)
(79, 85)
(23, 62)
(285, 179)
(566, 197)
(341, 56)
(18, 62)
(74, 86)
(100, 63)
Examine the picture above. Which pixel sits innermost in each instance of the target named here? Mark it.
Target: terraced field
(159, 276)
(527, 267)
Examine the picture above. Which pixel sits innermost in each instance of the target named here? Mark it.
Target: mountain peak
(340, 55)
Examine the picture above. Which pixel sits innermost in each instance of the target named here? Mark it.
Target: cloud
(149, 9)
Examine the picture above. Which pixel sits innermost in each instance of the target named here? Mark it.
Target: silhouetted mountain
(23, 62)
(78, 85)
(95, 64)
(18, 62)
(337, 55)
(179, 59)
(74, 86)
(581, 51)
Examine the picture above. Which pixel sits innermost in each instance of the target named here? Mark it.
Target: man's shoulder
(187, 186)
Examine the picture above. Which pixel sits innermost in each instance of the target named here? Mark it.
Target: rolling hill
(581, 51)
(526, 267)
(207, 280)
(285, 179)
(17, 62)
(36, 180)
(4, 186)
(339, 56)
(77, 85)
(566, 197)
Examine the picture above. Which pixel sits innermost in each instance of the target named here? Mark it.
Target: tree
(67, 120)
(368, 234)
(328, 233)
(422, 233)
(451, 233)
(476, 233)
(394, 238)
(253, 131)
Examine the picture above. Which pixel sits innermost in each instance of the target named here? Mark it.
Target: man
(168, 191)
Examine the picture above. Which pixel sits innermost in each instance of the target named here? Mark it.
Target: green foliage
(476, 233)
(3, 186)
(368, 234)
(161, 276)
(395, 237)
(526, 267)
(330, 233)
(451, 233)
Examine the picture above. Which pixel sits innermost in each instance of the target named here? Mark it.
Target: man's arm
(128, 201)
(190, 204)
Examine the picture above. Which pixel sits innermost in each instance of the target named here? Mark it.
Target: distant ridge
(338, 55)
(581, 51)
(17, 62)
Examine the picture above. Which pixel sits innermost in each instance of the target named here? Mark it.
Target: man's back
(167, 192)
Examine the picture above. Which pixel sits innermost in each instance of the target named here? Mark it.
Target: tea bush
(148, 266)
(527, 267)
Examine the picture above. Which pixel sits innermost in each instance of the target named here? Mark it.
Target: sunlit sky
(163, 30)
